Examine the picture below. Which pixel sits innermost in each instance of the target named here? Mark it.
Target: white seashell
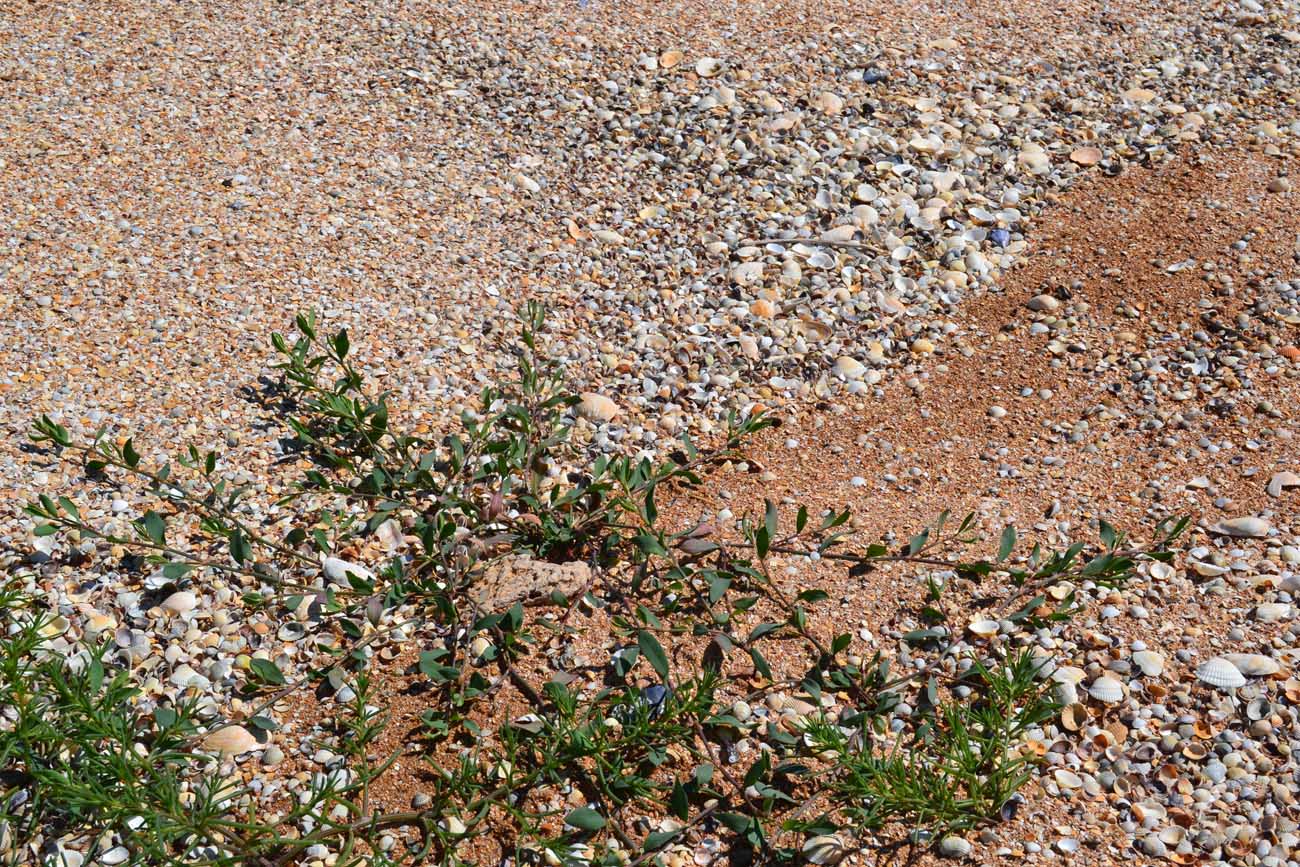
(983, 626)
(337, 570)
(1272, 612)
(597, 407)
(1107, 690)
(1161, 571)
(1254, 664)
(116, 855)
(180, 602)
(1074, 717)
(389, 534)
(707, 67)
(230, 741)
(1281, 481)
(823, 849)
(1208, 570)
(954, 847)
(747, 273)
(1220, 673)
(1242, 528)
(840, 234)
(1069, 674)
(1149, 662)
(849, 368)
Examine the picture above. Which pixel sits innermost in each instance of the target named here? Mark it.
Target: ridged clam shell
(1106, 690)
(1254, 664)
(1220, 673)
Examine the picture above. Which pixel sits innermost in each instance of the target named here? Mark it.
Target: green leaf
(155, 527)
(176, 571)
(46, 529)
(240, 550)
(718, 586)
(1008, 542)
(653, 651)
(678, 804)
(918, 542)
(658, 839)
(586, 819)
(130, 455)
(1108, 534)
(770, 520)
(760, 664)
(267, 671)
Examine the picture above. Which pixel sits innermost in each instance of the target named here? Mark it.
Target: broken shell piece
(1254, 664)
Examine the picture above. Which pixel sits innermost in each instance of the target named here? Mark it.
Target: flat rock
(520, 578)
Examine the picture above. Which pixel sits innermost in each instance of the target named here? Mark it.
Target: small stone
(1279, 185)
(1043, 303)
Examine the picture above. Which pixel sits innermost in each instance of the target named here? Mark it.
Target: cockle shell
(1107, 690)
(1220, 673)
